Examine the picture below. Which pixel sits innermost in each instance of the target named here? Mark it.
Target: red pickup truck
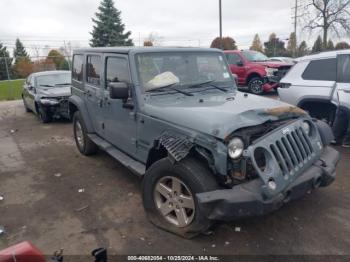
(255, 71)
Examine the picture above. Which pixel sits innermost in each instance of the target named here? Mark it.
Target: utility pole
(220, 20)
(295, 18)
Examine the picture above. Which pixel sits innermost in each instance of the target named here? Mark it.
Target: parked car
(316, 85)
(46, 94)
(287, 60)
(205, 151)
(255, 70)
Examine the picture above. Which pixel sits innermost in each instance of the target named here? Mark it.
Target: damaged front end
(282, 160)
(57, 107)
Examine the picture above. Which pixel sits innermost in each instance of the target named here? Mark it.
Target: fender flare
(80, 105)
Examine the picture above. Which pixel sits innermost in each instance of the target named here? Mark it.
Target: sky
(40, 23)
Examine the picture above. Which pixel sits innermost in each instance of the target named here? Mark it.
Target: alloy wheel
(174, 201)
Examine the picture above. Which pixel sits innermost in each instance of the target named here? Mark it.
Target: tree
(23, 66)
(147, 43)
(292, 45)
(5, 63)
(227, 43)
(330, 45)
(153, 38)
(58, 59)
(303, 49)
(318, 46)
(256, 44)
(19, 51)
(331, 16)
(274, 47)
(342, 45)
(108, 29)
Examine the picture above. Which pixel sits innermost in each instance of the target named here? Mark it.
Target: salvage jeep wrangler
(205, 151)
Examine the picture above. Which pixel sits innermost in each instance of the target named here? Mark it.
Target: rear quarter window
(77, 72)
(321, 70)
(343, 70)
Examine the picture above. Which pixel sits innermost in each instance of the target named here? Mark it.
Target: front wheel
(169, 196)
(255, 85)
(44, 115)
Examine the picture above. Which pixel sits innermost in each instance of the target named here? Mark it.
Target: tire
(84, 144)
(195, 178)
(26, 106)
(255, 85)
(44, 115)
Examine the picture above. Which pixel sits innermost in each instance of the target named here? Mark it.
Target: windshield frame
(40, 85)
(181, 85)
(248, 55)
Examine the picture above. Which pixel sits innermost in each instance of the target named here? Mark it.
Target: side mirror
(118, 90)
(29, 87)
(240, 63)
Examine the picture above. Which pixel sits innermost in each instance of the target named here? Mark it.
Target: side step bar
(135, 166)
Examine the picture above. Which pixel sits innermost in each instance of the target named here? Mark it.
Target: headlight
(236, 148)
(49, 101)
(270, 71)
(307, 127)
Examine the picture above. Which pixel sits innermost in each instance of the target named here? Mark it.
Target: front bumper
(61, 109)
(248, 200)
(271, 82)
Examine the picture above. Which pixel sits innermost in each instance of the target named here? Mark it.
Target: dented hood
(218, 114)
(55, 92)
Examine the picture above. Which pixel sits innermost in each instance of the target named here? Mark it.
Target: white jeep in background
(319, 84)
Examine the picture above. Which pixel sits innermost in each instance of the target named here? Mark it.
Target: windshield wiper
(63, 84)
(47, 85)
(171, 87)
(210, 83)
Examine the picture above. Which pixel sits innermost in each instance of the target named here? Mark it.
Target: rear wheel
(25, 105)
(169, 196)
(84, 144)
(255, 85)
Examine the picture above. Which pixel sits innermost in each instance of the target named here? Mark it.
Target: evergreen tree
(20, 52)
(5, 62)
(256, 44)
(274, 47)
(330, 45)
(318, 45)
(292, 45)
(108, 29)
(342, 45)
(302, 49)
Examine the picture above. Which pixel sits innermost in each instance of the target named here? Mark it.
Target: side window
(233, 59)
(117, 70)
(93, 70)
(321, 70)
(77, 74)
(343, 74)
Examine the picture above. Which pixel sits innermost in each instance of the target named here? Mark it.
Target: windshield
(157, 70)
(253, 56)
(54, 80)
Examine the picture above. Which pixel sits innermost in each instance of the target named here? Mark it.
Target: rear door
(93, 91)
(29, 93)
(341, 95)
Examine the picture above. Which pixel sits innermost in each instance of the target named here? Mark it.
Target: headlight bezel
(47, 101)
(235, 148)
(307, 127)
(270, 71)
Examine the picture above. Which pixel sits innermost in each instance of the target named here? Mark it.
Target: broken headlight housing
(236, 148)
(49, 101)
(307, 127)
(270, 71)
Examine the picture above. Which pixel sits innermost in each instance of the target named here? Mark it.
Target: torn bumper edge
(247, 200)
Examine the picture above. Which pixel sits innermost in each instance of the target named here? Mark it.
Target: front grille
(284, 154)
(292, 151)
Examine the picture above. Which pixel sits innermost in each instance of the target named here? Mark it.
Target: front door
(120, 116)
(237, 67)
(93, 92)
(341, 95)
